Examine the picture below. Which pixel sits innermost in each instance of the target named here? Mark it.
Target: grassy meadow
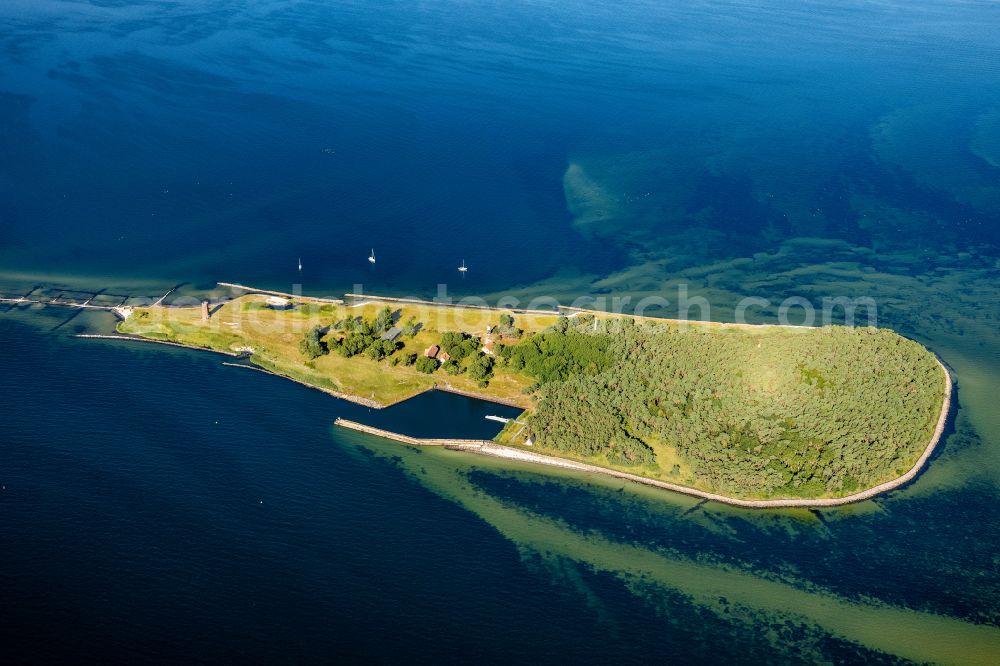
(274, 336)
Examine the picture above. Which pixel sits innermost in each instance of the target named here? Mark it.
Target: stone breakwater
(499, 451)
(406, 439)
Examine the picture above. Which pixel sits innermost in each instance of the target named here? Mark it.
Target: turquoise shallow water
(157, 503)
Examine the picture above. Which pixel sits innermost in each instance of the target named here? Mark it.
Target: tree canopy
(557, 355)
(780, 413)
(364, 337)
(459, 345)
(312, 344)
(426, 365)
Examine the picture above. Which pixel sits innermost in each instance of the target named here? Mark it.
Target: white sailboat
(371, 257)
(300, 264)
(462, 268)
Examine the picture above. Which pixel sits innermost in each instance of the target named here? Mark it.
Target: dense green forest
(778, 413)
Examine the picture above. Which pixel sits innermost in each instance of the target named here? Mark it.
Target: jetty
(406, 439)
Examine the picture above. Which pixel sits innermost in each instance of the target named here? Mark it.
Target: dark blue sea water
(231, 532)
(223, 140)
(158, 506)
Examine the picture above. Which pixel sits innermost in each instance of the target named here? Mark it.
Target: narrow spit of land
(757, 416)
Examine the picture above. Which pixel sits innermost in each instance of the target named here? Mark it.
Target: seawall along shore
(282, 294)
(460, 305)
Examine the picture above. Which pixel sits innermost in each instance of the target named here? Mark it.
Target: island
(752, 415)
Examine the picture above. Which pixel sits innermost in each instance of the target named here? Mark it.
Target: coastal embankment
(136, 338)
(448, 388)
(511, 453)
(574, 311)
(358, 400)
